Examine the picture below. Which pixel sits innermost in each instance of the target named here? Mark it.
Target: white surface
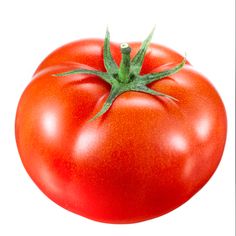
(32, 29)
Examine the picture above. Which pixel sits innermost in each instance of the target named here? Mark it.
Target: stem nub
(124, 70)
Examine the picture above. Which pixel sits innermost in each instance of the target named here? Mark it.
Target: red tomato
(144, 157)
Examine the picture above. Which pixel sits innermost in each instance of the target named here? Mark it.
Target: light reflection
(202, 127)
(179, 142)
(85, 141)
(50, 124)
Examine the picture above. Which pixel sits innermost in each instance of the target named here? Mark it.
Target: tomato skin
(143, 158)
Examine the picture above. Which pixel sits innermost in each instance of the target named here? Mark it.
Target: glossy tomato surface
(143, 158)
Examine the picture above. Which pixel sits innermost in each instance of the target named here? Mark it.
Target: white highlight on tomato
(179, 142)
(50, 124)
(203, 127)
(86, 141)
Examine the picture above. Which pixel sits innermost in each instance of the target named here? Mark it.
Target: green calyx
(126, 77)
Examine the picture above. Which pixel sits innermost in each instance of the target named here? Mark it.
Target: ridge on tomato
(119, 134)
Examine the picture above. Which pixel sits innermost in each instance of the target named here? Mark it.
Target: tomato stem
(124, 69)
(126, 77)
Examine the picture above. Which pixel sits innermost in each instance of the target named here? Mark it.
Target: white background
(29, 30)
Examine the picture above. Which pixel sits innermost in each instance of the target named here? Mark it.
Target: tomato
(142, 157)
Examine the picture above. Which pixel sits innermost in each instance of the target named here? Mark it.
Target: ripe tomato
(144, 157)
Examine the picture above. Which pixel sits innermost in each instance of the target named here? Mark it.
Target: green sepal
(149, 78)
(109, 62)
(103, 75)
(147, 90)
(114, 93)
(117, 90)
(137, 62)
